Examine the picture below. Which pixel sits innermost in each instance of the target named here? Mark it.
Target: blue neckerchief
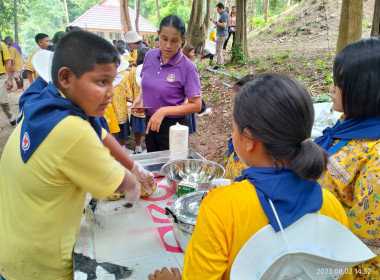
(349, 129)
(292, 196)
(42, 112)
(34, 89)
(231, 149)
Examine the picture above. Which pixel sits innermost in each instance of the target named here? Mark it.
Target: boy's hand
(165, 274)
(130, 186)
(145, 177)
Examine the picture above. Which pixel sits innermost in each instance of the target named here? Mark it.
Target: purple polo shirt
(168, 84)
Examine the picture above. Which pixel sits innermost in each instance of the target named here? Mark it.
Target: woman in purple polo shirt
(168, 79)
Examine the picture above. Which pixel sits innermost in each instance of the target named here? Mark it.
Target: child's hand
(165, 274)
(137, 106)
(130, 186)
(145, 177)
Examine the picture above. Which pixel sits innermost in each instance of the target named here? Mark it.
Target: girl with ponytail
(273, 117)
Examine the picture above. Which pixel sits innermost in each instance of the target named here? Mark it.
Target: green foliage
(328, 77)
(215, 96)
(259, 22)
(77, 7)
(321, 64)
(237, 55)
(182, 8)
(290, 18)
(367, 24)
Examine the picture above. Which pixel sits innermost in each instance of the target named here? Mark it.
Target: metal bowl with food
(183, 214)
(202, 172)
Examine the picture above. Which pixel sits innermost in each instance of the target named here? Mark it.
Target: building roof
(107, 17)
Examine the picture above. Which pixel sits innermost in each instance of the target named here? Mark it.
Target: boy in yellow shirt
(17, 62)
(54, 157)
(43, 41)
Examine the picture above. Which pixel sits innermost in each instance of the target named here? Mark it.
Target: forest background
(296, 38)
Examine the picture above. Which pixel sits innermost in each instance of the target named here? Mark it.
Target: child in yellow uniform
(54, 157)
(137, 119)
(43, 41)
(284, 164)
(234, 165)
(110, 117)
(121, 91)
(353, 144)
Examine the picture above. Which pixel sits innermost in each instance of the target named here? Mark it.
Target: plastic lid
(186, 207)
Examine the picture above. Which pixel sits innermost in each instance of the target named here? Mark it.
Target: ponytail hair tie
(307, 139)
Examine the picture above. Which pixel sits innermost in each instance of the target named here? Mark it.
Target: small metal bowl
(199, 171)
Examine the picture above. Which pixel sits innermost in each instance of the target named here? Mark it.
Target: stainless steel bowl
(202, 172)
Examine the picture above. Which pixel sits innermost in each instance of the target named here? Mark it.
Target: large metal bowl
(199, 171)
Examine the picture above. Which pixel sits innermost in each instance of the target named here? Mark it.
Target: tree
(137, 16)
(124, 16)
(266, 5)
(375, 31)
(158, 13)
(239, 48)
(15, 20)
(195, 29)
(251, 15)
(206, 19)
(350, 26)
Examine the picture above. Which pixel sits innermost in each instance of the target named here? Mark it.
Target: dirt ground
(299, 43)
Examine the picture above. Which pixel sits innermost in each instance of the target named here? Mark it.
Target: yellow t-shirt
(352, 175)
(42, 200)
(110, 117)
(228, 217)
(17, 58)
(29, 65)
(6, 56)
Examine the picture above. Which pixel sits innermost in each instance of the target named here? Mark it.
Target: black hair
(157, 39)
(242, 81)
(7, 38)
(141, 56)
(233, 7)
(356, 73)
(278, 111)
(80, 51)
(174, 21)
(58, 36)
(73, 28)
(40, 36)
(220, 5)
(120, 47)
(121, 42)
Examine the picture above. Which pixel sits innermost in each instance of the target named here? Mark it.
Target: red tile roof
(107, 17)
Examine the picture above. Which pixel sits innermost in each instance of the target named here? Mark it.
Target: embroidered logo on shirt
(171, 78)
(25, 142)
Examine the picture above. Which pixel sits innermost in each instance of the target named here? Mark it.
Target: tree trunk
(350, 26)
(266, 5)
(195, 29)
(158, 13)
(206, 19)
(124, 16)
(15, 20)
(66, 13)
(251, 15)
(137, 16)
(240, 44)
(375, 31)
(283, 5)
